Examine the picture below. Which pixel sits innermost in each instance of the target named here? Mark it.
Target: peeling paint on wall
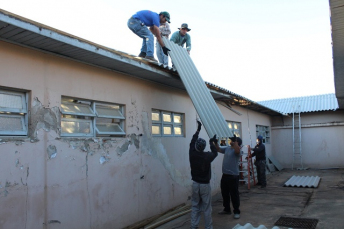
(153, 146)
(52, 152)
(43, 118)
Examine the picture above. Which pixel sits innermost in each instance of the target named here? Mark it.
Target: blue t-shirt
(148, 17)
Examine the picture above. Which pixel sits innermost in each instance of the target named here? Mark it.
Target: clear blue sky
(260, 49)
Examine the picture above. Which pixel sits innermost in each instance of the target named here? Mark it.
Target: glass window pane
(235, 126)
(167, 117)
(155, 116)
(177, 118)
(8, 123)
(74, 126)
(108, 127)
(230, 125)
(76, 108)
(177, 130)
(155, 129)
(167, 130)
(110, 111)
(11, 101)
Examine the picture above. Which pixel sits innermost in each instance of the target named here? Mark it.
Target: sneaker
(236, 216)
(224, 212)
(151, 58)
(258, 183)
(142, 54)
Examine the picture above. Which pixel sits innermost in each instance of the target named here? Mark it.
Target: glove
(165, 50)
(199, 126)
(212, 139)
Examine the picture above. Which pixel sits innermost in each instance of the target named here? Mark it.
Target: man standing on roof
(200, 163)
(138, 24)
(165, 31)
(181, 37)
(260, 163)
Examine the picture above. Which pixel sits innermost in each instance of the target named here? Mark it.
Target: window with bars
(166, 123)
(13, 113)
(84, 118)
(264, 131)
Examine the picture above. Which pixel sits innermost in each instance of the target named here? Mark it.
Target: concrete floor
(266, 206)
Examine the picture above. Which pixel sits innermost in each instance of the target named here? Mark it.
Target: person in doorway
(260, 162)
(165, 31)
(200, 163)
(230, 177)
(182, 37)
(138, 24)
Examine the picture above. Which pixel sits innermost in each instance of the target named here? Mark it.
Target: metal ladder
(297, 143)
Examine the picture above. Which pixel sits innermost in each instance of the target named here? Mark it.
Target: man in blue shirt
(138, 24)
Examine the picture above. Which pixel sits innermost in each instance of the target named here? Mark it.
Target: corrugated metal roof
(210, 114)
(303, 181)
(231, 98)
(249, 226)
(337, 24)
(314, 103)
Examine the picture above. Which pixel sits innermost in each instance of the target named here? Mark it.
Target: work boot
(151, 58)
(142, 54)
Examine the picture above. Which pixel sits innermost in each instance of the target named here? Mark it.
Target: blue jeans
(161, 55)
(201, 201)
(142, 31)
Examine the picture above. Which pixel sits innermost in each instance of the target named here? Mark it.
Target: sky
(259, 49)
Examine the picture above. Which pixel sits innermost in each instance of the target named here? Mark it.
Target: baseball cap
(167, 15)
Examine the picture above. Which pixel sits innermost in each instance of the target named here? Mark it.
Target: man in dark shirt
(200, 163)
(260, 163)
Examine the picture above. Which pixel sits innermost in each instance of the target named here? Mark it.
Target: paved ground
(266, 206)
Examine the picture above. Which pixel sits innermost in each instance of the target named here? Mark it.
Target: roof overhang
(228, 98)
(24, 32)
(21, 31)
(337, 23)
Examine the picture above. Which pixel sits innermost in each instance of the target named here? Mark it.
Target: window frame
(260, 129)
(22, 113)
(233, 130)
(94, 119)
(161, 123)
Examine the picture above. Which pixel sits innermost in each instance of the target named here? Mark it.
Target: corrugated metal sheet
(303, 181)
(337, 26)
(314, 103)
(249, 226)
(208, 111)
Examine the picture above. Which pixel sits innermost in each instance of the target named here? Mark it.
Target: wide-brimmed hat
(184, 26)
(167, 15)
